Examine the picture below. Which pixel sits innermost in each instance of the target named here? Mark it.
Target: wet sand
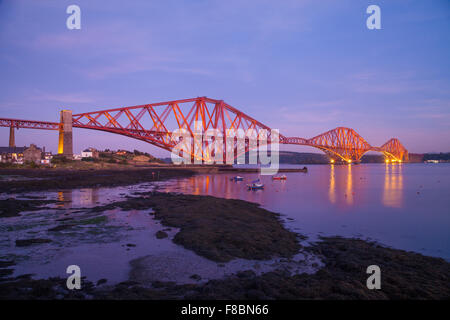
(405, 275)
(60, 179)
(215, 228)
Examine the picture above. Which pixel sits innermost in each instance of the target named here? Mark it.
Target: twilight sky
(301, 66)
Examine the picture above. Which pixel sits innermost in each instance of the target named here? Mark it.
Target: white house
(89, 153)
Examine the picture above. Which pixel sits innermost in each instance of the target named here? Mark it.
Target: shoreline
(62, 179)
(406, 276)
(227, 234)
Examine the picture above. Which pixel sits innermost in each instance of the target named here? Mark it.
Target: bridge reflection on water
(347, 185)
(393, 186)
(78, 197)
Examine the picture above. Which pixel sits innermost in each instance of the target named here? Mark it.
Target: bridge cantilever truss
(155, 123)
(347, 145)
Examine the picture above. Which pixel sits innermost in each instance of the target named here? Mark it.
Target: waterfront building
(90, 153)
(12, 154)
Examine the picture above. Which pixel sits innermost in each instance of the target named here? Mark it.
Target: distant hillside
(290, 157)
(124, 156)
(372, 158)
(166, 160)
(416, 157)
(443, 156)
(296, 157)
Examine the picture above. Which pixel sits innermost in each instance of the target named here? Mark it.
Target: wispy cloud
(138, 64)
(63, 97)
(37, 98)
(386, 82)
(118, 49)
(312, 117)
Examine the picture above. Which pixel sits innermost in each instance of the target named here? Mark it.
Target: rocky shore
(405, 275)
(60, 179)
(222, 230)
(215, 228)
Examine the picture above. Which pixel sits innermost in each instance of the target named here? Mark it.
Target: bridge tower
(65, 145)
(12, 139)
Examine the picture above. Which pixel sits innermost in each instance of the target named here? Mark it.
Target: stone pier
(65, 146)
(12, 139)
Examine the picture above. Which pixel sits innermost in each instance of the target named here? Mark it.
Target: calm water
(405, 206)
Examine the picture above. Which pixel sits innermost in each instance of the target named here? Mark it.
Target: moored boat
(256, 184)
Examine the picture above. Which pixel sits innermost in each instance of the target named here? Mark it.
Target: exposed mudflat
(26, 180)
(215, 228)
(136, 243)
(11, 207)
(405, 275)
(146, 236)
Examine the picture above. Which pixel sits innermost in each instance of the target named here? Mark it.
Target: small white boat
(255, 185)
(237, 178)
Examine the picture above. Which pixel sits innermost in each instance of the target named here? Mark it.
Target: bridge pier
(65, 145)
(12, 139)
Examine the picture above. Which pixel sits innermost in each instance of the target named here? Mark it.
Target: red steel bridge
(154, 123)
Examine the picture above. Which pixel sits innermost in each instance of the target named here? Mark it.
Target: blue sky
(303, 66)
